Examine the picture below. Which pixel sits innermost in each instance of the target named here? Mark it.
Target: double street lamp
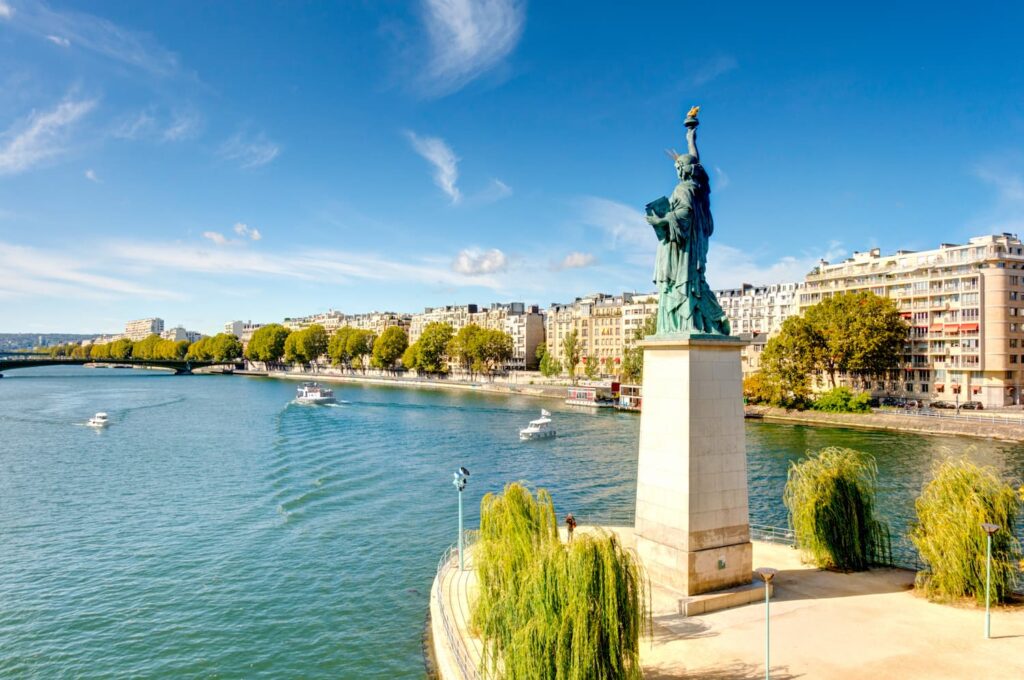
(460, 477)
(766, 574)
(989, 530)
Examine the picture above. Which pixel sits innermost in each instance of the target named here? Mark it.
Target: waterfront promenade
(824, 625)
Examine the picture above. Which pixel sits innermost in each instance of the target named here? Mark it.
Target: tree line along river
(218, 528)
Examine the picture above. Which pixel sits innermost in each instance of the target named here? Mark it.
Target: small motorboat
(98, 420)
(314, 393)
(538, 429)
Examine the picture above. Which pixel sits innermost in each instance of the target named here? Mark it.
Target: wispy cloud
(245, 231)
(468, 38)
(30, 272)
(94, 34)
(577, 260)
(183, 125)
(1008, 181)
(91, 175)
(216, 237)
(474, 262)
(58, 40)
(707, 70)
(249, 151)
(496, 190)
(41, 136)
(446, 165)
(729, 267)
(721, 179)
(623, 224)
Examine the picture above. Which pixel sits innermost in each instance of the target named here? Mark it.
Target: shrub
(842, 400)
(948, 534)
(551, 610)
(831, 497)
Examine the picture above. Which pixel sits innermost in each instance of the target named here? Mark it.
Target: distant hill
(12, 341)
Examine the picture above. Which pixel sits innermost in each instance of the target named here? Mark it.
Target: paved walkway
(824, 625)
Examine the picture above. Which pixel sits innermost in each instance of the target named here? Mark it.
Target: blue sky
(210, 161)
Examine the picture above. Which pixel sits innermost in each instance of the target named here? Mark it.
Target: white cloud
(246, 231)
(577, 260)
(625, 225)
(29, 272)
(216, 237)
(446, 165)
(495, 191)
(94, 34)
(184, 125)
(468, 38)
(474, 262)
(249, 151)
(91, 175)
(57, 40)
(709, 69)
(41, 137)
(729, 267)
(1008, 183)
(136, 126)
(721, 179)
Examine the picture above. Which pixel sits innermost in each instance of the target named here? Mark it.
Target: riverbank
(824, 624)
(987, 426)
(494, 387)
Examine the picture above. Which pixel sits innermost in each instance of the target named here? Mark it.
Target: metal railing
(962, 416)
(763, 532)
(449, 560)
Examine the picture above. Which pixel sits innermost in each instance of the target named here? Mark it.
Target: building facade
(759, 309)
(604, 324)
(965, 307)
(524, 323)
(179, 333)
(143, 328)
(242, 330)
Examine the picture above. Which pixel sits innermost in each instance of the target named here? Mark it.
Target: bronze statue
(683, 224)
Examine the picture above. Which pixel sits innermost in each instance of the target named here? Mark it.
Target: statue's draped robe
(685, 302)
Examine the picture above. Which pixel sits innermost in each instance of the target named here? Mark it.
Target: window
(924, 388)
(1013, 342)
(1013, 311)
(1013, 358)
(1013, 328)
(1014, 295)
(1014, 280)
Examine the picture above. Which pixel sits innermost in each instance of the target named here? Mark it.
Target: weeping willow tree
(831, 498)
(948, 534)
(552, 610)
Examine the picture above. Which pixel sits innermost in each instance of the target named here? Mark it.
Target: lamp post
(766, 574)
(460, 477)
(989, 530)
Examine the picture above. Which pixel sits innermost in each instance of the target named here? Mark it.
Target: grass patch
(831, 498)
(948, 534)
(551, 610)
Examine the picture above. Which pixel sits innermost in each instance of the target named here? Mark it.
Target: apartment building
(525, 325)
(332, 320)
(759, 309)
(143, 328)
(455, 315)
(965, 307)
(179, 333)
(604, 323)
(243, 330)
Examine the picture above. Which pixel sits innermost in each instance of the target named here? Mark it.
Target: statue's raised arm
(691, 124)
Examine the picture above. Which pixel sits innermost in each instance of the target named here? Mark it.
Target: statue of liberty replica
(683, 224)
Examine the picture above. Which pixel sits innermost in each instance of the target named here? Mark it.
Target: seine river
(216, 529)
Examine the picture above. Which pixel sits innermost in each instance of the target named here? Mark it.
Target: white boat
(314, 393)
(98, 420)
(538, 429)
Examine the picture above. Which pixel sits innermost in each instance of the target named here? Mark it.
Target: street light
(766, 574)
(461, 476)
(989, 530)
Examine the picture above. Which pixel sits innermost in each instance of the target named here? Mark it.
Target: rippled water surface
(217, 529)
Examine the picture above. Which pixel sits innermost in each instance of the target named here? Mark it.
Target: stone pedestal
(692, 526)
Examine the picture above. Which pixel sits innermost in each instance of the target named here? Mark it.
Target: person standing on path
(570, 522)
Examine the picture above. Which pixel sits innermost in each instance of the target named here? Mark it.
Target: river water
(217, 529)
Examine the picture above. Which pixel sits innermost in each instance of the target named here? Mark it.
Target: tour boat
(538, 429)
(98, 420)
(313, 393)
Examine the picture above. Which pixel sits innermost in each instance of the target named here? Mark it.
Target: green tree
(609, 366)
(466, 347)
(267, 343)
(591, 367)
(842, 400)
(293, 349)
(433, 344)
(411, 356)
(787, 364)
(312, 342)
(337, 348)
(389, 347)
(496, 349)
(860, 333)
(571, 353)
(633, 357)
(360, 346)
(121, 349)
(201, 350)
(225, 347)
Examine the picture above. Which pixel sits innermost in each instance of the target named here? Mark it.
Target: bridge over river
(15, 360)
